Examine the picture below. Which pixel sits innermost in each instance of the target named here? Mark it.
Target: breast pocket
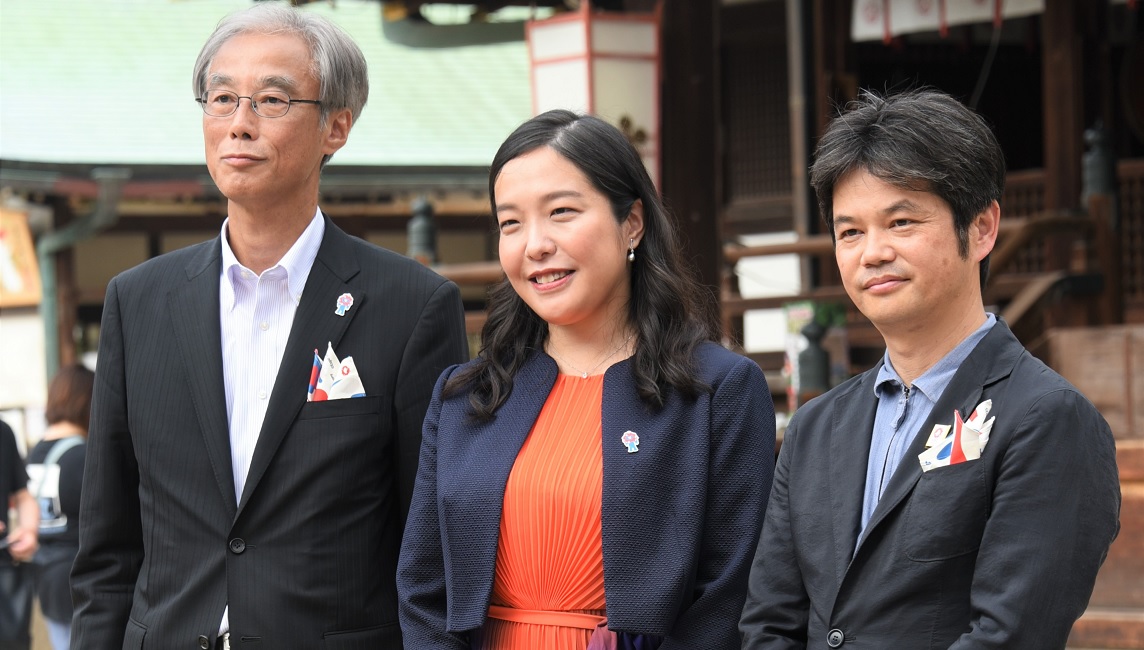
(341, 408)
(947, 512)
(342, 431)
(336, 448)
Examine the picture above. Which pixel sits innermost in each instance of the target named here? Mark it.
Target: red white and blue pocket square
(960, 442)
(334, 379)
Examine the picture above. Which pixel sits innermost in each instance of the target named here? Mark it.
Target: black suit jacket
(306, 557)
(680, 516)
(1000, 552)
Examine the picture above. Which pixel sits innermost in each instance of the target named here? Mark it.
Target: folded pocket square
(334, 379)
(962, 442)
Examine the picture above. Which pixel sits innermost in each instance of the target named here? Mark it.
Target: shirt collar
(296, 262)
(932, 382)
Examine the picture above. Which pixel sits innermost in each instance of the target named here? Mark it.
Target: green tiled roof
(110, 82)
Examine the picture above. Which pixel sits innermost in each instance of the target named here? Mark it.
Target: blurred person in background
(18, 541)
(55, 468)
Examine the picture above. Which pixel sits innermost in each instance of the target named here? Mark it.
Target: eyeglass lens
(268, 103)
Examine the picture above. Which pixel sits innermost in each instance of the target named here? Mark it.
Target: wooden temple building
(745, 88)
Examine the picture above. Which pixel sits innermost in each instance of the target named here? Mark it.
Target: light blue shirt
(902, 410)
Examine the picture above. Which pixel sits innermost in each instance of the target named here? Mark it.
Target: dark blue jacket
(681, 517)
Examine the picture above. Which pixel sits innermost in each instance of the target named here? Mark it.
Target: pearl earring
(631, 250)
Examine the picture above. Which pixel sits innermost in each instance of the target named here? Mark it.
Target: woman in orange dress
(597, 477)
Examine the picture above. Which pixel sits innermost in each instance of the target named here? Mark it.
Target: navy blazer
(305, 558)
(680, 516)
(998, 552)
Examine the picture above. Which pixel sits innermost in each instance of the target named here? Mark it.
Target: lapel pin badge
(345, 301)
(631, 440)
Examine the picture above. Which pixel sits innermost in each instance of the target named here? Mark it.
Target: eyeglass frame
(290, 101)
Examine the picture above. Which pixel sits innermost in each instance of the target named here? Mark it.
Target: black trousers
(17, 586)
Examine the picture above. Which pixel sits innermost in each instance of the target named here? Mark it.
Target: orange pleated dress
(548, 590)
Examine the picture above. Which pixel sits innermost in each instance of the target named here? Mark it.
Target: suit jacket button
(237, 545)
(204, 642)
(835, 638)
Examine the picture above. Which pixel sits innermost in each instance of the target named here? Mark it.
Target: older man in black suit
(221, 507)
(960, 494)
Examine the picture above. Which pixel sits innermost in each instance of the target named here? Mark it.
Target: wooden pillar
(691, 162)
(801, 140)
(797, 101)
(834, 84)
(1062, 72)
(67, 294)
(1107, 244)
(67, 306)
(1064, 91)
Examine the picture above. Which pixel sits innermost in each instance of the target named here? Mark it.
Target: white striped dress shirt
(255, 315)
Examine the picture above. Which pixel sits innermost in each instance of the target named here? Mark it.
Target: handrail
(1044, 223)
(817, 245)
(823, 245)
(1015, 232)
(1030, 295)
(471, 272)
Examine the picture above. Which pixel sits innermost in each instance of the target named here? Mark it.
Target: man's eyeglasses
(268, 103)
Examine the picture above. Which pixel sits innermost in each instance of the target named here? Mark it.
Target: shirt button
(264, 326)
(261, 394)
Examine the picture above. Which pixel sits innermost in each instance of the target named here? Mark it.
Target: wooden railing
(1020, 281)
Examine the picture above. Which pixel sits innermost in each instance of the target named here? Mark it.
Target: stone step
(1108, 628)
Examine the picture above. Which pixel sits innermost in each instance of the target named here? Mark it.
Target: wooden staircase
(1107, 365)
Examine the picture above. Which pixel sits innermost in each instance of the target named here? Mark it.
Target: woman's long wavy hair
(665, 310)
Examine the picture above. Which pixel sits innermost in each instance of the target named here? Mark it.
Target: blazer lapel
(992, 359)
(849, 443)
(315, 324)
(200, 344)
(486, 453)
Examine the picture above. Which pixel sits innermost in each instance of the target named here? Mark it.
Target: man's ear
(337, 131)
(983, 231)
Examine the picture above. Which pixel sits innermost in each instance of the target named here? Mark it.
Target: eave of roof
(96, 83)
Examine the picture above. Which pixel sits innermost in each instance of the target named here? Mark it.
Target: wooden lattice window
(756, 117)
(1131, 175)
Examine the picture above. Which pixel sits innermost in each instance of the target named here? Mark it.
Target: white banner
(883, 19)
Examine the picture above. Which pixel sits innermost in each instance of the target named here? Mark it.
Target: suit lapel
(851, 432)
(991, 360)
(315, 324)
(200, 344)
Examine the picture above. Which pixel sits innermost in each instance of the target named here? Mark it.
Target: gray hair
(922, 140)
(336, 60)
